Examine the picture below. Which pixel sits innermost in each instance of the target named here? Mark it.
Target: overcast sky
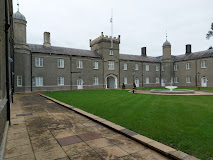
(141, 23)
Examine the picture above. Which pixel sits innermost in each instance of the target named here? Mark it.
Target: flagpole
(111, 28)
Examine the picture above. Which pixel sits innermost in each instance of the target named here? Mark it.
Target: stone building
(6, 68)
(47, 67)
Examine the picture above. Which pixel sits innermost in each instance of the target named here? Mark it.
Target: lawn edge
(157, 146)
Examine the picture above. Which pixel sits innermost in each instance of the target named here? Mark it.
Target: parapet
(105, 38)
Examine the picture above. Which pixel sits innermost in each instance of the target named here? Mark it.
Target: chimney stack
(188, 49)
(143, 51)
(47, 39)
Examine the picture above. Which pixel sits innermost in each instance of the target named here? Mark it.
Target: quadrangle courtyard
(42, 129)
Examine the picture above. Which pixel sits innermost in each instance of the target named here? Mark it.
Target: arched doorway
(204, 82)
(80, 84)
(111, 81)
(162, 82)
(137, 82)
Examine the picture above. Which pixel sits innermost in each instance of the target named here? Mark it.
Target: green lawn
(182, 122)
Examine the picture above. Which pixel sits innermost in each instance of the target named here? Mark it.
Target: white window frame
(60, 63)
(95, 81)
(95, 65)
(60, 81)
(39, 62)
(39, 81)
(175, 67)
(19, 81)
(162, 68)
(157, 67)
(111, 52)
(147, 80)
(125, 80)
(147, 67)
(111, 65)
(125, 67)
(79, 64)
(157, 80)
(188, 66)
(176, 80)
(136, 67)
(203, 64)
(188, 80)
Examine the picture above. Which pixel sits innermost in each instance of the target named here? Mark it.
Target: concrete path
(42, 129)
(195, 93)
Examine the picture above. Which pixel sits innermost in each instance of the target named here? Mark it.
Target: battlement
(104, 38)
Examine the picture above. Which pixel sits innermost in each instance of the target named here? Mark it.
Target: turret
(166, 50)
(19, 28)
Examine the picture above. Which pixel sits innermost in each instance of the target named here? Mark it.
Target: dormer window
(111, 52)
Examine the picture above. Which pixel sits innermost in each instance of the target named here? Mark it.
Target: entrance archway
(137, 82)
(80, 84)
(204, 82)
(111, 81)
(162, 82)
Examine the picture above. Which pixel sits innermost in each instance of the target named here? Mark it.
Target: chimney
(188, 49)
(47, 39)
(143, 51)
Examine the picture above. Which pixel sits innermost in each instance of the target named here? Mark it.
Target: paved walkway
(42, 129)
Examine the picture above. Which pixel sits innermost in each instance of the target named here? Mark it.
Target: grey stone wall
(3, 92)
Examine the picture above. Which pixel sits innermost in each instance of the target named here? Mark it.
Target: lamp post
(198, 85)
(133, 79)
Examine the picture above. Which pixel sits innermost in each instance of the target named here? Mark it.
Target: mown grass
(182, 122)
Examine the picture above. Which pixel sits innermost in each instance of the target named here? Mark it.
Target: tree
(210, 47)
(210, 33)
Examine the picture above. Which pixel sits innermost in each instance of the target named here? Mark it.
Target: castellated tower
(22, 56)
(167, 65)
(108, 48)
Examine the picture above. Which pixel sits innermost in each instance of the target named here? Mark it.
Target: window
(147, 80)
(147, 67)
(95, 80)
(38, 62)
(95, 65)
(188, 65)
(125, 80)
(157, 67)
(157, 80)
(125, 66)
(136, 67)
(60, 63)
(176, 80)
(19, 81)
(110, 52)
(60, 81)
(188, 79)
(203, 64)
(79, 64)
(111, 65)
(39, 81)
(175, 67)
(162, 67)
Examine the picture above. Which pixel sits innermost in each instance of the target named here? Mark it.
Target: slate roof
(63, 51)
(138, 58)
(195, 55)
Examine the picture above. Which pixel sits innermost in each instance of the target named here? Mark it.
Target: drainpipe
(103, 74)
(71, 72)
(31, 71)
(142, 72)
(119, 75)
(7, 26)
(160, 74)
